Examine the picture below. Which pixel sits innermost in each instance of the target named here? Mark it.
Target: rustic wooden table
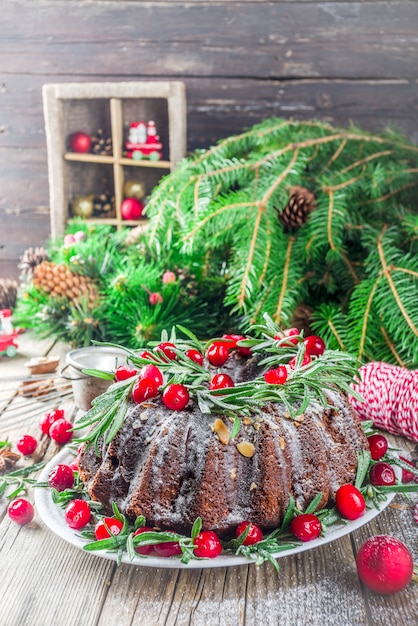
(46, 582)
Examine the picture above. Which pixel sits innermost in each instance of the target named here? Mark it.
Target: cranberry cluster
(176, 396)
(57, 427)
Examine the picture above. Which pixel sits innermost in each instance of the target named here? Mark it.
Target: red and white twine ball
(390, 397)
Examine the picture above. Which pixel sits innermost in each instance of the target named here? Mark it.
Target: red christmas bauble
(131, 209)
(80, 142)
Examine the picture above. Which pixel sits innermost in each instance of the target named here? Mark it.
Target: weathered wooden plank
(46, 581)
(399, 608)
(73, 582)
(216, 108)
(270, 40)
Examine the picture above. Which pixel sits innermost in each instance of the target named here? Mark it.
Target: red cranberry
(124, 372)
(195, 356)
(152, 374)
(147, 355)
(145, 550)
(27, 445)
(407, 477)
(378, 445)
(221, 381)
(217, 353)
(61, 431)
(306, 359)
(166, 350)
(306, 526)
(61, 477)
(144, 389)
(168, 548)
(382, 474)
(20, 511)
(77, 514)
(176, 397)
(49, 418)
(208, 545)
(314, 345)
(276, 376)
(292, 334)
(107, 527)
(255, 534)
(235, 339)
(350, 501)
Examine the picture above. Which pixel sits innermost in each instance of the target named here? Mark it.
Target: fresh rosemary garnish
(305, 384)
(277, 541)
(19, 481)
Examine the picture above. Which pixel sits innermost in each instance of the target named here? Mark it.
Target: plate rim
(52, 516)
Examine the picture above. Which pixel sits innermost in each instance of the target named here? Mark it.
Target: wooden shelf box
(112, 107)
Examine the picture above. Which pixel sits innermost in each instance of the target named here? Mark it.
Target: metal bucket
(86, 388)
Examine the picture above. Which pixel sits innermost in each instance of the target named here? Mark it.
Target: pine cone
(59, 281)
(101, 143)
(30, 259)
(8, 293)
(296, 213)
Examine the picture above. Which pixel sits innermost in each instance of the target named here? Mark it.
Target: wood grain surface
(241, 61)
(45, 581)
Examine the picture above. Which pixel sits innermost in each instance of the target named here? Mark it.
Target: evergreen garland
(228, 223)
(124, 275)
(354, 261)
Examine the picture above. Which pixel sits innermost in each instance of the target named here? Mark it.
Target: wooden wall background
(241, 61)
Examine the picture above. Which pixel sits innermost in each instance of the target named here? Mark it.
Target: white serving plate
(53, 516)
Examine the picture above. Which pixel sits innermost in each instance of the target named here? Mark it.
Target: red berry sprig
(144, 389)
(166, 350)
(168, 548)
(314, 345)
(152, 374)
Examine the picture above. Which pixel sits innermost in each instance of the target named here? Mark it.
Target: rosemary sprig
(305, 383)
(19, 480)
(279, 540)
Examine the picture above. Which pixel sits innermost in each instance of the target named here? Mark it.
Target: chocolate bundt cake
(173, 466)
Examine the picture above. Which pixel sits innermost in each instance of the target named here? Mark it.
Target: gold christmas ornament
(82, 206)
(134, 189)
